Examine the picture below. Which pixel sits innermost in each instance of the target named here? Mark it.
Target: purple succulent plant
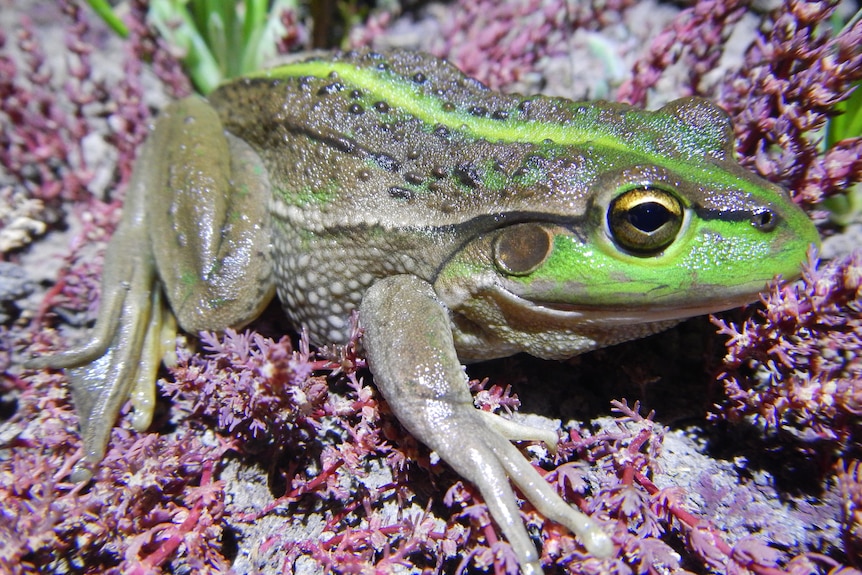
(330, 452)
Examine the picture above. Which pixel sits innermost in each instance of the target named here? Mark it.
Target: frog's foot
(533, 485)
(125, 347)
(477, 445)
(119, 362)
(472, 443)
(409, 346)
(514, 431)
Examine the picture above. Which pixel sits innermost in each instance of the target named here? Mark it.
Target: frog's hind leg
(209, 221)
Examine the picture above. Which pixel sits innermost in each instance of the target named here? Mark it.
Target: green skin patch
(707, 258)
(308, 196)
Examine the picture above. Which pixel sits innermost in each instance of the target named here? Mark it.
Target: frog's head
(672, 228)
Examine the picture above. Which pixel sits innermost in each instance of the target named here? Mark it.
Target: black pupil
(648, 216)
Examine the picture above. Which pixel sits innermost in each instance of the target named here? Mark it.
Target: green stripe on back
(403, 94)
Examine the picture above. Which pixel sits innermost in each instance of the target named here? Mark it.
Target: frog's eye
(520, 249)
(645, 220)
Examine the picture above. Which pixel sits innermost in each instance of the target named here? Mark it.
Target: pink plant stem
(164, 551)
(692, 521)
(302, 489)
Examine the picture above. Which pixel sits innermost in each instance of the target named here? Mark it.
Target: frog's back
(359, 140)
(367, 181)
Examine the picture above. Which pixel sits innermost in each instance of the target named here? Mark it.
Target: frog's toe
(549, 503)
(159, 346)
(484, 458)
(514, 431)
(483, 455)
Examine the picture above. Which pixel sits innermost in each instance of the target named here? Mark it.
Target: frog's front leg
(410, 349)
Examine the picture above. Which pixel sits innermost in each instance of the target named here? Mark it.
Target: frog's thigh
(209, 221)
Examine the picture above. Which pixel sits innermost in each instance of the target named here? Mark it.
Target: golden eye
(520, 249)
(645, 220)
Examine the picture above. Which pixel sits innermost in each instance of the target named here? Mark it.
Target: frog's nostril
(764, 220)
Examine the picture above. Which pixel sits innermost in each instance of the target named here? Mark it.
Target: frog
(462, 224)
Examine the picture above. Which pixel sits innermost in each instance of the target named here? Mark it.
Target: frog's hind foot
(125, 347)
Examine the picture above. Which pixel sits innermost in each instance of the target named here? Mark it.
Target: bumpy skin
(462, 223)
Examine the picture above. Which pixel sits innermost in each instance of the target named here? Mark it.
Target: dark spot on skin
(497, 166)
(413, 154)
(364, 174)
(448, 107)
(520, 172)
(333, 74)
(400, 193)
(441, 131)
(386, 162)
(355, 94)
(467, 174)
(414, 178)
(419, 78)
(329, 89)
(500, 114)
(439, 172)
(525, 105)
(355, 109)
(381, 107)
(340, 143)
(383, 66)
(479, 111)
(447, 207)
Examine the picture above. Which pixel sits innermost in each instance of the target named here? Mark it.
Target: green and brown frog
(462, 223)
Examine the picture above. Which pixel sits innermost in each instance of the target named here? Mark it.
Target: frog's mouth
(555, 313)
